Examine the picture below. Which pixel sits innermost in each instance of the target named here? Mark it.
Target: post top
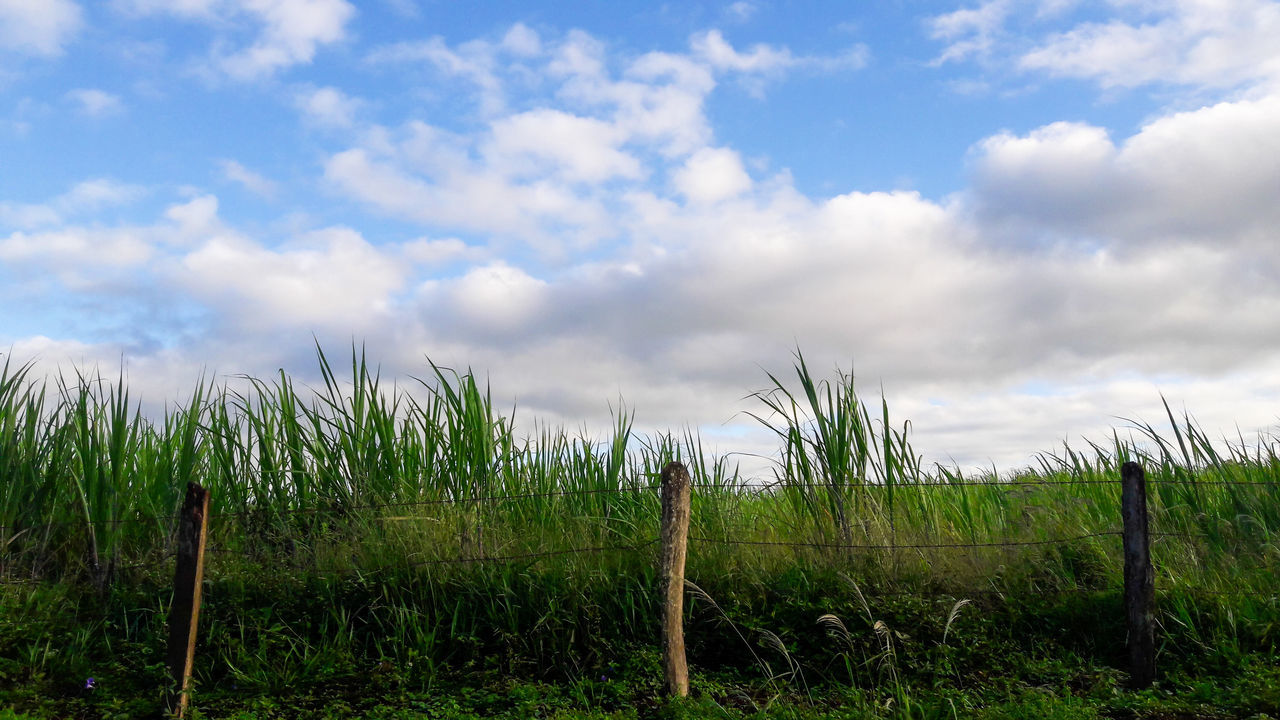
(675, 474)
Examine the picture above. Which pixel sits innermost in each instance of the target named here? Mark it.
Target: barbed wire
(463, 560)
(1222, 593)
(528, 556)
(784, 485)
(909, 546)
(338, 509)
(154, 563)
(82, 523)
(959, 593)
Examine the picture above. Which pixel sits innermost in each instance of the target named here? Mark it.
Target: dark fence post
(675, 543)
(1139, 577)
(184, 613)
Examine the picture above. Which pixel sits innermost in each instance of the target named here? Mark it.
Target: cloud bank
(582, 234)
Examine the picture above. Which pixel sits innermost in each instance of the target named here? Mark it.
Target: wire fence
(337, 507)
(346, 508)
(907, 546)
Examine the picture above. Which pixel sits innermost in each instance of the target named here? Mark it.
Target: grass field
(354, 527)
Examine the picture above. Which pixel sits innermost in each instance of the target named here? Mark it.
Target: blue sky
(1022, 219)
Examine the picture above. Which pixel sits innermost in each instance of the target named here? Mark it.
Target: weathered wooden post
(184, 613)
(1139, 577)
(675, 543)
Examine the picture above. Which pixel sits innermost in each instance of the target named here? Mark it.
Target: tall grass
(348, 519)
(88, 484)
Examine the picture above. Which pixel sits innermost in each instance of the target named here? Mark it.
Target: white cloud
(329, 278)
(38, 27)
(1190, 42)
(26, 216)
(763, 59)
(94, 102)
(711, 175)
(522, 40)
(426, 251)
(81, 258)
(292, 30)
(475, 62)
(329, 106)
(578, 148)
(538, 174)
(195, 219)
(1213, 45)
(252, 181)
(544, 211)
(970, 32)
(288, 32)
(84, 197)
(495, 299)
(95, 194)
(1209, 174)
(712, 47)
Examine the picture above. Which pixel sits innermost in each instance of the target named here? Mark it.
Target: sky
(1021, 222)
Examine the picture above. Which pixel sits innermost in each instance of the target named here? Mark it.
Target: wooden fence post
(1139, 577)
(675, 543)
(184, 613)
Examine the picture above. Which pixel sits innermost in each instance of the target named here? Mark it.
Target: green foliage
(346, 524)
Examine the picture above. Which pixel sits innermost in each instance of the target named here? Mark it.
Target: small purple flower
(604, 678)
(90, 684)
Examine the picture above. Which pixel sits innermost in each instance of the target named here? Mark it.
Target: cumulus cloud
(328, 106)
(287, 32)
(599, 240)
(711, 175)
(329, 278)
(495, 300)
(1206, 45)
(522, 40)
(581, 149)
(39, 28)
(81, 259)
(196, 218)
(469, 197)
(1200, 44)
(1076, 258)
(427, 251)
(1208, 174)
(554, 176)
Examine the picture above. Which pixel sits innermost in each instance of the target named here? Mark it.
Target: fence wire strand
(531, 556)
(909, 546)
(759, 488)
